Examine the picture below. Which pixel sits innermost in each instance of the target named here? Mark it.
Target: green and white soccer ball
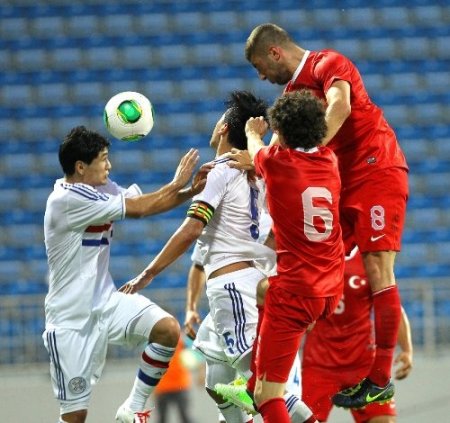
(128, 116)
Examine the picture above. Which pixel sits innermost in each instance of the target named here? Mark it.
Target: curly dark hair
(80, 144)
(300, 118)
(241, 106)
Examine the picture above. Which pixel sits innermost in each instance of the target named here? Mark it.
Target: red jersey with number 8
(365, 143)
(302, 189)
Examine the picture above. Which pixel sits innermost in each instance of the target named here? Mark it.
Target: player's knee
(166, 332)
(78, 416)
(379, 267)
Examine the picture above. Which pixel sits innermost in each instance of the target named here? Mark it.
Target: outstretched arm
(177, 245)
(405, 357)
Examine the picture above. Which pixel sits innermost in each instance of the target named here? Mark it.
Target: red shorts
(373, 211)
(286, 318)
(319, 385)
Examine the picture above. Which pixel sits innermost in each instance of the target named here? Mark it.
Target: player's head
(299, 119)
(85, 153)
(264, 50)
(241, 106)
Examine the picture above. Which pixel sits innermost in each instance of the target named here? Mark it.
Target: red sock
(274, 411)
(312, 419)
(252, 381)
(387, 314)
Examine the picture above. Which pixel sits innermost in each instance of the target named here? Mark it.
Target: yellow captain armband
(201, 211)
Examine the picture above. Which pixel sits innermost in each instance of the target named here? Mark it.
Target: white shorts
(228, 332)
(77, 357)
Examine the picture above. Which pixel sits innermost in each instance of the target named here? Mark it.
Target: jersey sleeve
(197, 257)
(90, 207)
(331, 68)
(112, 187)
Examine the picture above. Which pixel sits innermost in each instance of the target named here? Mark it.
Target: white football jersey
(233, 231)
(78, 232)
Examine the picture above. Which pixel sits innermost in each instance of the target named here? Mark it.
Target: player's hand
(256, 126)
(239, 159)
(136, 284)
(404, 359)
(192, 318)
(186, 167)
(199, 181)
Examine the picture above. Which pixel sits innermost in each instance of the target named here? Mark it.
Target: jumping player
(303, 186)
(373, 171)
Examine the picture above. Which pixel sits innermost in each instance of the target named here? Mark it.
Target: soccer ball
(128, 116)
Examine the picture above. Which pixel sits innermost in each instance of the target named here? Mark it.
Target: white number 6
(310, 212)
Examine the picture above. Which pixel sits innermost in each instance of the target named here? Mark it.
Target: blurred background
(61, 60)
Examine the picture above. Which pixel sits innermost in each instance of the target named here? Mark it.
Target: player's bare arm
(405, 358)
(255, 129)
(338, 109)
(172, 194)
(177, 245)
(195, 285)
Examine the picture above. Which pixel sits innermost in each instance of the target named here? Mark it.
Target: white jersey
(233, 231)
(78, 232)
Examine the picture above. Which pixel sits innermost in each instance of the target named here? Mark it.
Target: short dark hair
(299, 116)
(242, 105)
(263, 35)
(80, 144)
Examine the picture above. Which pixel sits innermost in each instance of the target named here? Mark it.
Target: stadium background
(60, 61)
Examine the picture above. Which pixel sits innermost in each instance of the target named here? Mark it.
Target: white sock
(154, 363)
(297, 409)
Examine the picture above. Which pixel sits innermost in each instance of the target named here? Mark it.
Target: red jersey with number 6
(302, 189)
(365, 142)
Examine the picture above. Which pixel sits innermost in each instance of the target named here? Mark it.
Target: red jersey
(302, 190)
(345, 339)
(365, 142)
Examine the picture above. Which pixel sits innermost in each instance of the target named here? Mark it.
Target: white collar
(309, 151)
(300, 66)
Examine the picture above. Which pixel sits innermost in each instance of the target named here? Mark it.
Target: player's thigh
(376, 413)
(76, 360)
(133, 318)
(286, 318)
(375, 211)
(232, 302)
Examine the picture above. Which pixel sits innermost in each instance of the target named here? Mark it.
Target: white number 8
(310, 212)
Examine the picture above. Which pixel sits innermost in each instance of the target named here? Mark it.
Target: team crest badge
(77, 385)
